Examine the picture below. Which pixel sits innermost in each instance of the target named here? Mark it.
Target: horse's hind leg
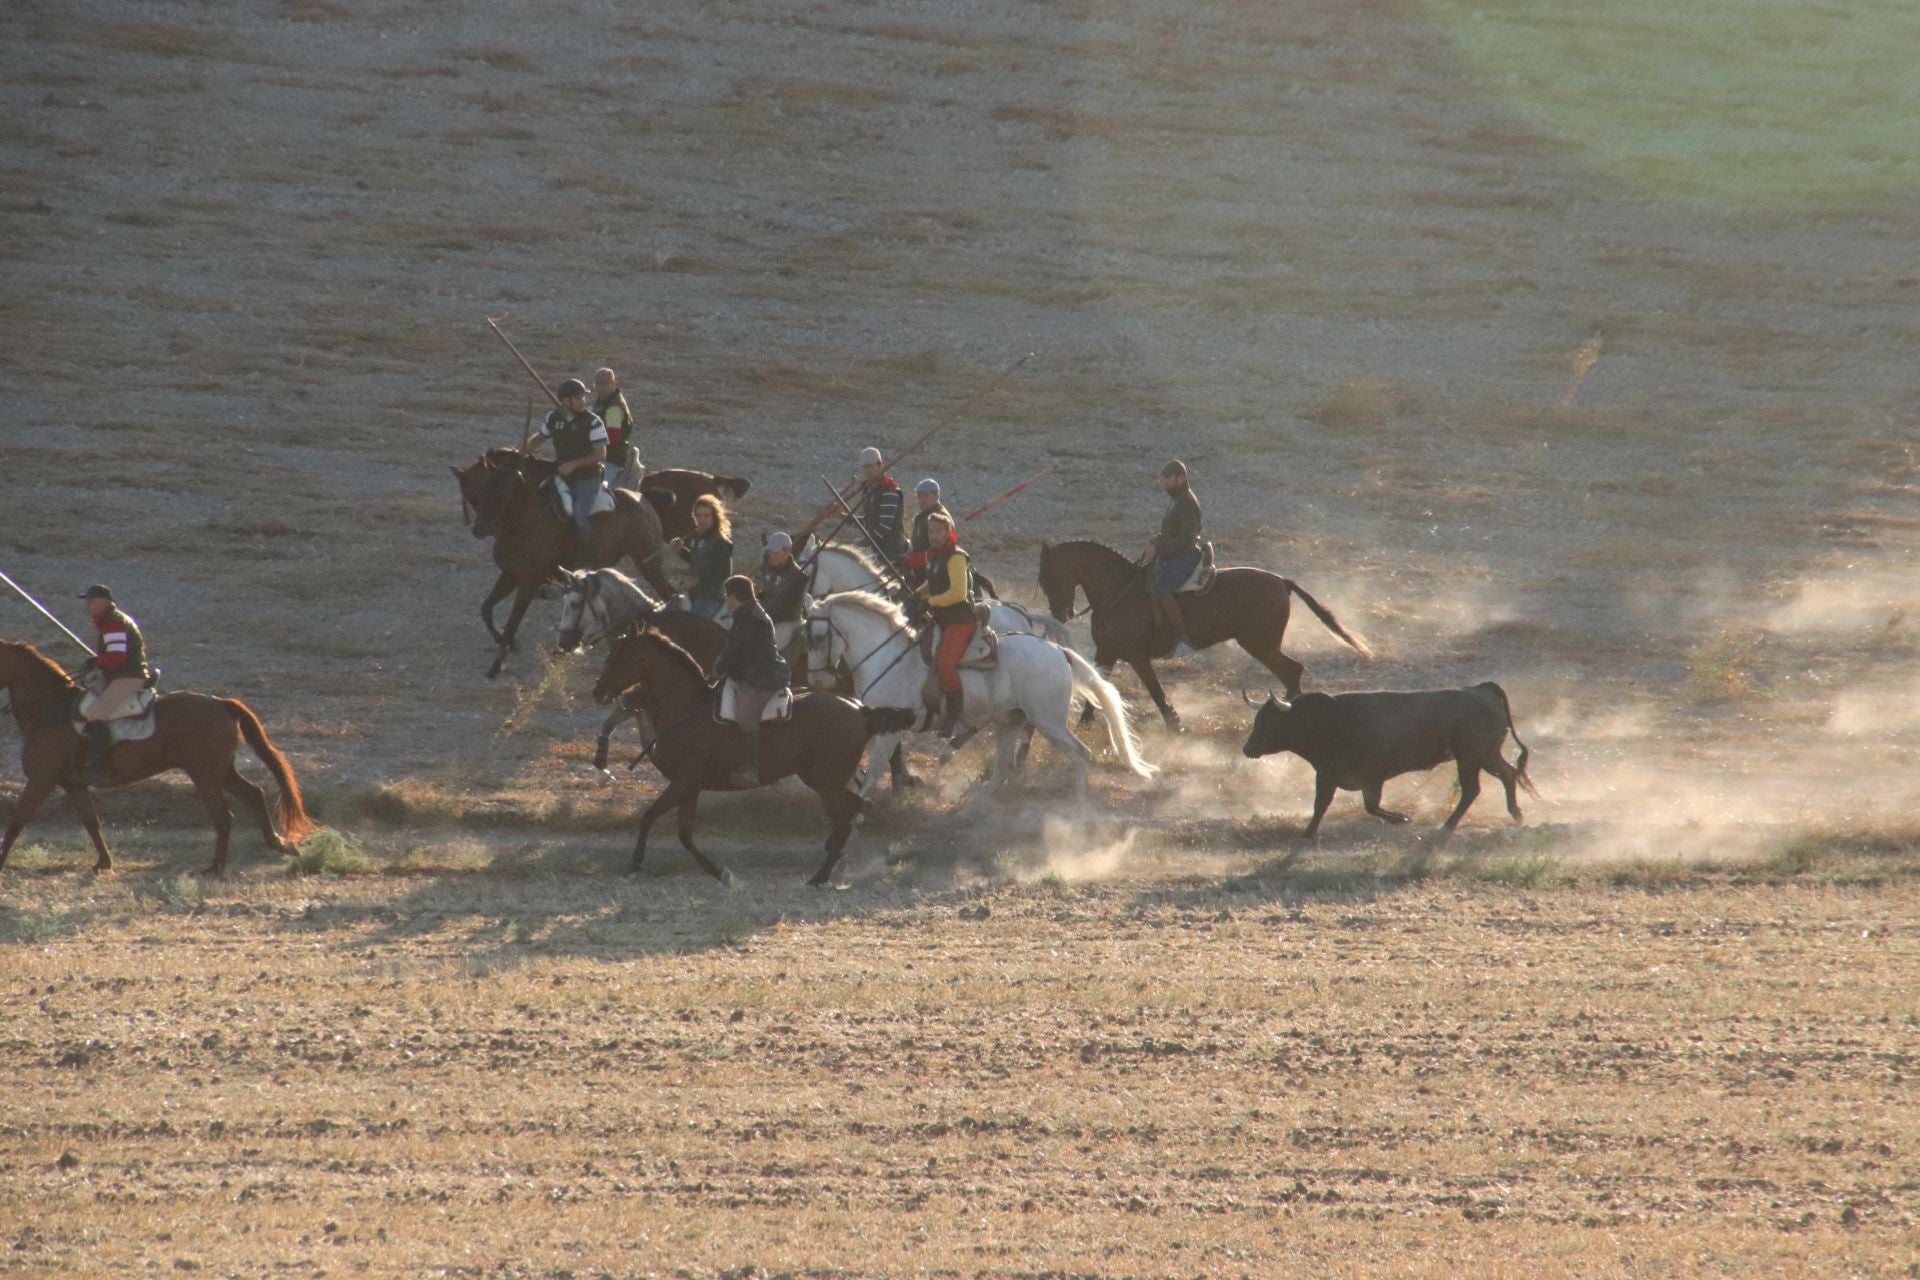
(1076, 750)
(689, 808)
(256, 802)
(1280, 664)
(220, 814)
(82, 801)
(32, 796)
(502, 588)
(841, 806)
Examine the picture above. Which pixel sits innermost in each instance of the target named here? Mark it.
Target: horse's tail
(1119, 728)
(291, 811)
(1520, 764)
(1332, 623)
(887, 720)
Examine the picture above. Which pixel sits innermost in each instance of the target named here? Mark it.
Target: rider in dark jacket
(756, 669)
(1175, 552)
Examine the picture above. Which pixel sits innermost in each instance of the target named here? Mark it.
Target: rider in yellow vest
(948, 596)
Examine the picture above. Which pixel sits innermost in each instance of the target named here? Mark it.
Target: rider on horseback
(709, 557)
(580, 447)
(757, 671)
(623, 454)
(946, 594)
(1175, 550)
(880, 507)
(783, 584)
(121, 659)
(927, 494)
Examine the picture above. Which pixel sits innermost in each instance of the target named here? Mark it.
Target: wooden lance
(493, 323)
(1039, 475)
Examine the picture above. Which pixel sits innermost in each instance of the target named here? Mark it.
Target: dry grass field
(1568, 346)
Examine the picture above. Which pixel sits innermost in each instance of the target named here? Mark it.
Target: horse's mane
(671, 651)
(858, 556)
(629, 583)
(1078, 543)
(33, 654)
(506, 457)
(872, 603)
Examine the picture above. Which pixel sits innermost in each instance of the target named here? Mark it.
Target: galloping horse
(822, 743)
(504, 497)
(1030, 688)
(192, 732)
(596, 606)
(1247, 606)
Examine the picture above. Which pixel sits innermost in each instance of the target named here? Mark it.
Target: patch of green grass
(329, 853)
(1798, 856)
(1717, 100)
(1522, 873)
(32, 926)
(184, 892)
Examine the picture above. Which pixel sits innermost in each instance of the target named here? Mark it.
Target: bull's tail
(887, 720)
(291, 811)
(1332, 623)
(1119, 729)
(1519, 764)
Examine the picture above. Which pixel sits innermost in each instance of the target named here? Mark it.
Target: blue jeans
(584, 485)
(707, 607)
(1172, 572)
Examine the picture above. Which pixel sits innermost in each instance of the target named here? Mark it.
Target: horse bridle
(854, 667)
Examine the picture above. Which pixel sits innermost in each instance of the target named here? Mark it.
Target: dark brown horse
(504, 496)
(822, 744)
(1247, 606)
(192, 732)
(673, 489)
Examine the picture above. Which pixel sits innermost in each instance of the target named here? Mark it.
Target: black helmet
(572, 387)
(97, 592)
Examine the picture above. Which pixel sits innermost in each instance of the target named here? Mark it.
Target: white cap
(779, 540)
(870, 455)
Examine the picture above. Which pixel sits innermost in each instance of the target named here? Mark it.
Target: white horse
(1032, 684)
(833, 569)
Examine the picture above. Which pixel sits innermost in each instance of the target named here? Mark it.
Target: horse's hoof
(213, 869)
(606, 775)
(905, 781)
(728, 880)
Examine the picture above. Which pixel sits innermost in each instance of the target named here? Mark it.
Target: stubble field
(1453, 323)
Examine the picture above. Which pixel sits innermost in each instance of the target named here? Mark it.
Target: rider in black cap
(580, 447)
(1175, 552)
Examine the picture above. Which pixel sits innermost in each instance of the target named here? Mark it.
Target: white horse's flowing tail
(1088, 681)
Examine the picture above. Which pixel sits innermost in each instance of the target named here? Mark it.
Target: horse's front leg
(82, 801)
(502, 588)
(1103, 663)
(668, 799)
(522, 601)
(32, 796)
(619, 716)
(1143, 667)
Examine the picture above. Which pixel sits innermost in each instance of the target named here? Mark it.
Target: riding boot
(746, 759)
(1168, 611)
(96, 772)
(953, 726)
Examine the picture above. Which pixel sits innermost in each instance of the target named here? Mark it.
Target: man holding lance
(623, 451)
(580, 447)
(881, 507)
(927, 495)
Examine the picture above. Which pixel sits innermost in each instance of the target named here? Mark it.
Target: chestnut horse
(822, 743)
(504, 496)
(1247, 606)
(192, 732)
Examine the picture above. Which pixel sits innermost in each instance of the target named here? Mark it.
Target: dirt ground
(1451, 326)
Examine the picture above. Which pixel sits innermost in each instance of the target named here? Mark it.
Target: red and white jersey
(122, 653)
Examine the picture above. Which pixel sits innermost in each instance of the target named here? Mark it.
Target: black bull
(1357, 741)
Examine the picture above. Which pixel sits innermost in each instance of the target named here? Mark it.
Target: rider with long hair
(709, 557)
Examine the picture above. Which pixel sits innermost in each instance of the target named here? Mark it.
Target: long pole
(1040, 475)
(493, 323)
(872, 542)
(842, 495)
(22, 593)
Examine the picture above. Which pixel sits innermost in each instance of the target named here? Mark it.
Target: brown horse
(673, 489)
(1247, 606)
(504, 496)
(193, 732)
(822, 743)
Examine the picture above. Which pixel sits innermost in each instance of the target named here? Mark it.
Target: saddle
(134, 725)
(1201, 580)
(983, 650)
(563, 499)
(779, 708)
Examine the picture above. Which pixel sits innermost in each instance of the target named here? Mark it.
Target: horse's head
(486, 487)
(627, 664)
(826, 648)
(27, 673)
(1058, 581)
(577, 599)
